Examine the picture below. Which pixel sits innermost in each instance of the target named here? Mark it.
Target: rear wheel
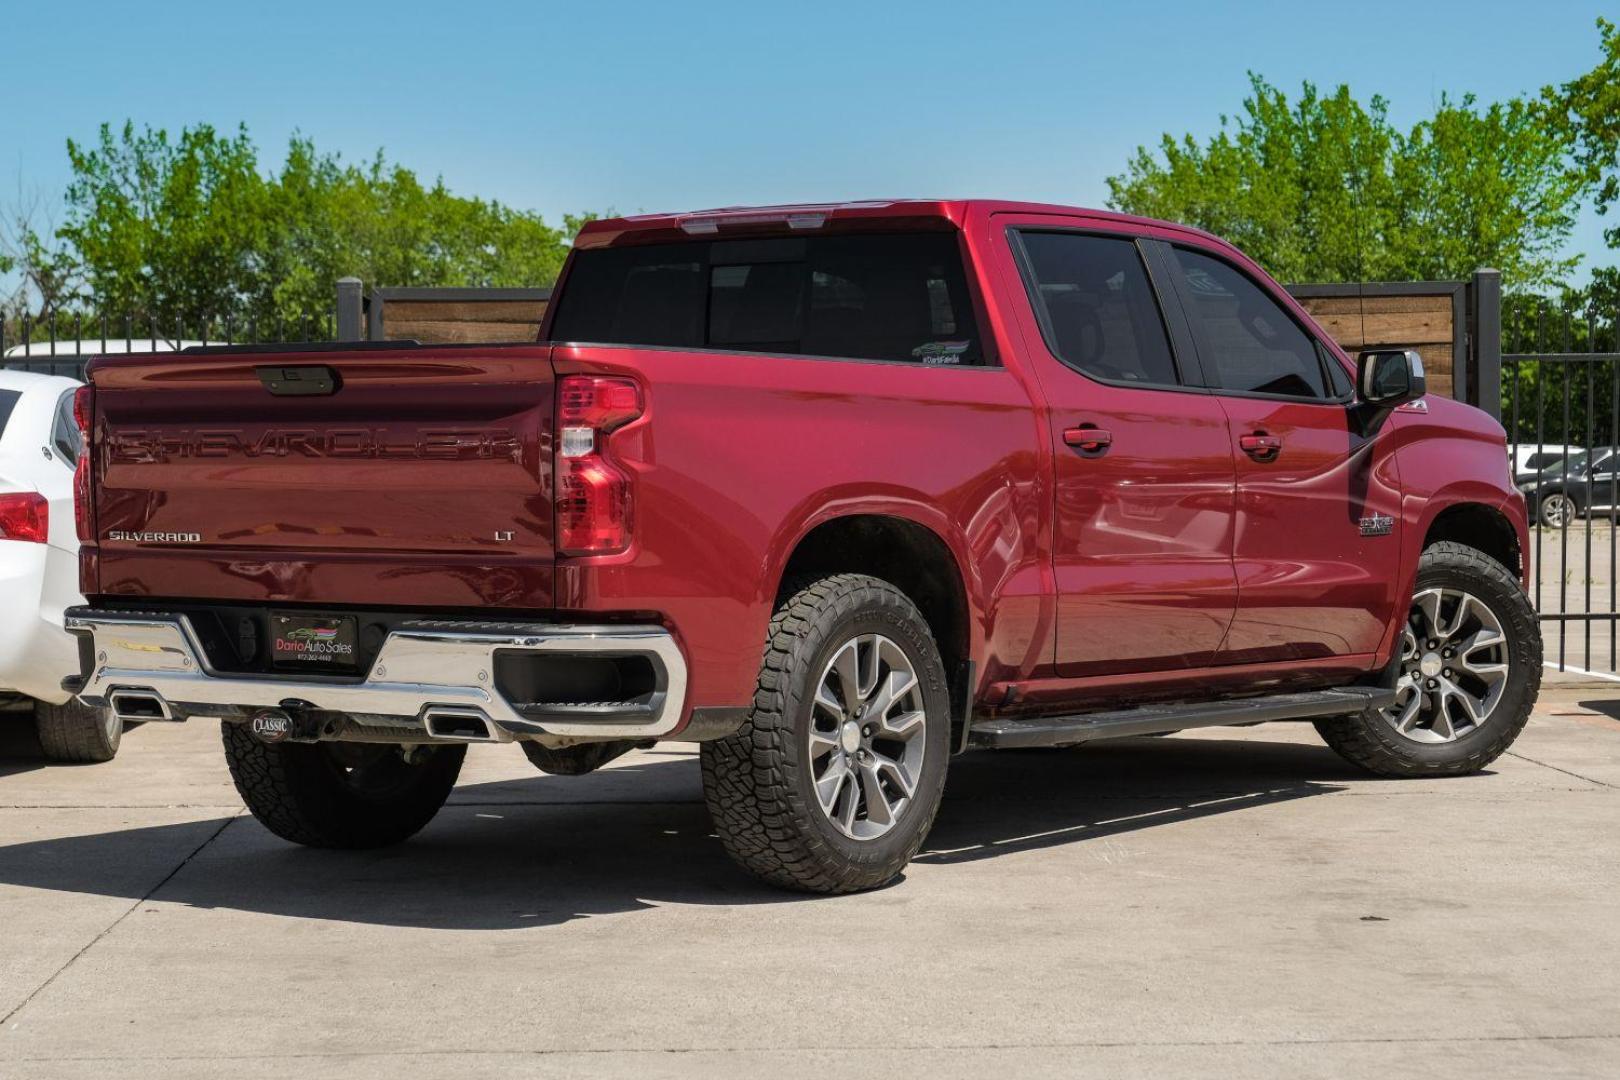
(833, 782)
(1470, 668)
(340, 795)
(73, 731)
(1555, 510)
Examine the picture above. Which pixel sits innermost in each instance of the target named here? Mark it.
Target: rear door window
(900, 297)
(1097, 308)
(1254, 346)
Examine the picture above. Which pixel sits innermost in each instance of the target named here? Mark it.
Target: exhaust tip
(138, 706)
(458, 725)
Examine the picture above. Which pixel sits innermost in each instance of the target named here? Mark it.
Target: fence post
(350, 321)
(1485, 342)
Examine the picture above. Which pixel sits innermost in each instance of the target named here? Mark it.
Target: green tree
(1588, 108)
(191, 227)
(1324, 188)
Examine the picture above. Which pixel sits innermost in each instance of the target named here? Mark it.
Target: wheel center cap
(1430, 665)
(849, 736)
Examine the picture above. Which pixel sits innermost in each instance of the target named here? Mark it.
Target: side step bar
(1159, 719)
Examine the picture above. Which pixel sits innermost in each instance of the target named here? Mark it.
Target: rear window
(869, 297)
(65, 430)
(8, 401)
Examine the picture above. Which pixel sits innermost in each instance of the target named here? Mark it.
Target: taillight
(593, 494)
(83, 521)
(25, 516)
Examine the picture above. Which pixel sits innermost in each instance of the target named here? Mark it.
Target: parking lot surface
(1221, 903)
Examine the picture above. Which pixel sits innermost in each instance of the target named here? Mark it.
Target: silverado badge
(1377, 525)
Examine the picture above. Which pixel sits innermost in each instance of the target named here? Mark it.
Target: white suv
(39, 572)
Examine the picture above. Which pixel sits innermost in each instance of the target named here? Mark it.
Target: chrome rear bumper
(422, 667)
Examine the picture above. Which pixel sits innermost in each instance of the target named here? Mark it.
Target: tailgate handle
(310, 380)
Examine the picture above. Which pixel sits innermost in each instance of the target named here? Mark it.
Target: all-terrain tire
(335, 795)
(76, 732)
(758, 781)
(1368, 740)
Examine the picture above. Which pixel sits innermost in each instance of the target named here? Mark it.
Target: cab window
(1248, 342)
(1096, 307)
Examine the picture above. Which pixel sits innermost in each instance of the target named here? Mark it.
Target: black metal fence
(60, 343)
(1561, 408)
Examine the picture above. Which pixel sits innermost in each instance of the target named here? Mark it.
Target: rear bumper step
(1159, 719)
(435, 676)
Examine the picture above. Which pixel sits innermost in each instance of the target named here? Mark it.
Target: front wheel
(832, 783)
(1470, 667)
(340, 795)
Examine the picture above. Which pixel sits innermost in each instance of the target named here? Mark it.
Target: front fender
(1452, 455)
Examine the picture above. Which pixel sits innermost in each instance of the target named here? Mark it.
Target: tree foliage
(191, 227)
(1588, 108)
(1324, 188)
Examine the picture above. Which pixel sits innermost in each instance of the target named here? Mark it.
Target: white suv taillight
(593, 494)
(83, 519)
(25, 516)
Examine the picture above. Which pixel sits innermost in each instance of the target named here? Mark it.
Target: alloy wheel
(866, 736)
(1454, 667)
(1556, 511)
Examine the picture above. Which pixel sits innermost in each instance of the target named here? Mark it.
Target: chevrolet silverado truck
(835, 491)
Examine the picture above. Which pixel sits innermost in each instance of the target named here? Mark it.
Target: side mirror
(1386, 378)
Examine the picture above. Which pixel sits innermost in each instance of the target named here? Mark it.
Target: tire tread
(76, 732)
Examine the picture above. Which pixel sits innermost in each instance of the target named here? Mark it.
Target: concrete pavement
(1221, 903)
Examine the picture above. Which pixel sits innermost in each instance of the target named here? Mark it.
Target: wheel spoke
(1404, 713)
(870, 656)
(878, 811)
(1440, 718)
(830, 782)
(822, 743)
(905, 725)
(846, 666)
(1459, 614)
(896, 772)
(1469, 703)
(1427, 603)
(893, 687)
(851, 803)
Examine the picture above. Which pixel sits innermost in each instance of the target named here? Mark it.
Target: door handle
(1090, 440)
(1260, 446)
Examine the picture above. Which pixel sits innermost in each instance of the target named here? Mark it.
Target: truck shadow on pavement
(530, 853)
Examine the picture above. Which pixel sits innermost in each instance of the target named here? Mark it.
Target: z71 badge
(1377, 525)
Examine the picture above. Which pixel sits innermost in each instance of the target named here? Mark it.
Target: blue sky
(562, 107)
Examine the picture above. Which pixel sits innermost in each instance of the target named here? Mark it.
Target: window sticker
(941, 352)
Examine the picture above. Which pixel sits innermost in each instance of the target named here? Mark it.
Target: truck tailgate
(421, 479)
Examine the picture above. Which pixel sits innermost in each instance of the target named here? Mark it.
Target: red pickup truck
(837, 491)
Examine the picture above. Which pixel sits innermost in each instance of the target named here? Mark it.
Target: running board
(1160, 719)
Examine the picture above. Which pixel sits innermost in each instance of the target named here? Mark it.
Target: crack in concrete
(1079, 1044)
(1555, 768)
(93, 942)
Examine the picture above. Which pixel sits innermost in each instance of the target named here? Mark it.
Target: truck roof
(855, 214)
